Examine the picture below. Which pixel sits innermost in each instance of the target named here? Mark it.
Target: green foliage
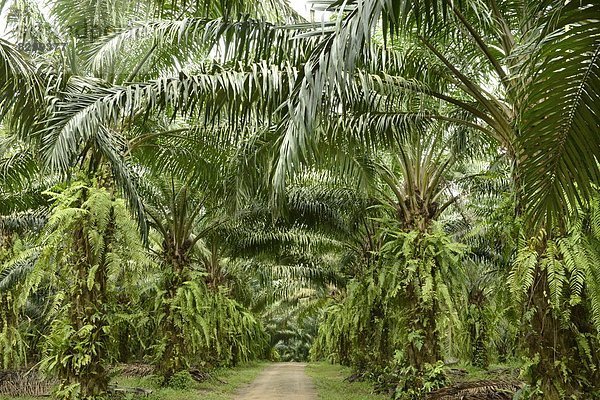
(19, 88)
(564, 89)
(12, 343)
(89, 239)
(196, 320)
(381, 311)
(68, 353)
(181, 380)
(412, 383)
(215, 329)
(568, 262)
(559, 271)
(293, 337)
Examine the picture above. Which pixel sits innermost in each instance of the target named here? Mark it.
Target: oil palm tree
(523, 74)
(395, 304)
(89, 238)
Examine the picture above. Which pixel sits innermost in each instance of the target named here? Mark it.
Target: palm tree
(524, 74)
(393, 308)
(493, 76)
(90, 237)
(182, 219)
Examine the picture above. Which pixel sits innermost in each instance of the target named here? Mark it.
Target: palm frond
(17, 170)
(560, 145)
(17, 269)
(235, 96)
(110, 145)
(243, 40)
(19, 87)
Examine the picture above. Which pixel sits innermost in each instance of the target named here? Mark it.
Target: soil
(280, 381)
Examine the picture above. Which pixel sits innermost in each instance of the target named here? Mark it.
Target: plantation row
(401, 187)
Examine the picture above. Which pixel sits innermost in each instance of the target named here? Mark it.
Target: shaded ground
(280, 381)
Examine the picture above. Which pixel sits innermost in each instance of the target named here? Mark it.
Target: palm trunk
(423, 319)
(89, 309)
(550, 343)
(173, 358)
(478, 328)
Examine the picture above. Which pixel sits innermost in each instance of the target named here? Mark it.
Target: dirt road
(280, 381)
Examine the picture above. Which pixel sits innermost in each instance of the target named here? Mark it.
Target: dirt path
(280, 381)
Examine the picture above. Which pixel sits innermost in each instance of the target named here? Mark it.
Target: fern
(522, 274)
(79, 256)
(384, 310)
(554, 267)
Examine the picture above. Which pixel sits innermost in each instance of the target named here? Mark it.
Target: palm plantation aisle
(280, 381)
(306, 381)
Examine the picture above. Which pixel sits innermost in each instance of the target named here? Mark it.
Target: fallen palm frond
(24, 383)
(477, 390)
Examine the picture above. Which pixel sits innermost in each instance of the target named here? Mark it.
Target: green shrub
(181, 380)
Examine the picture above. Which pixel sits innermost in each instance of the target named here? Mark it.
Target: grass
(20, 398)
(330, 384)
(228, 382)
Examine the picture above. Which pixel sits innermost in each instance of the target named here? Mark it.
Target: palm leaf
(560, 143)
(244, 40)
(19, 87)
(235, 96)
